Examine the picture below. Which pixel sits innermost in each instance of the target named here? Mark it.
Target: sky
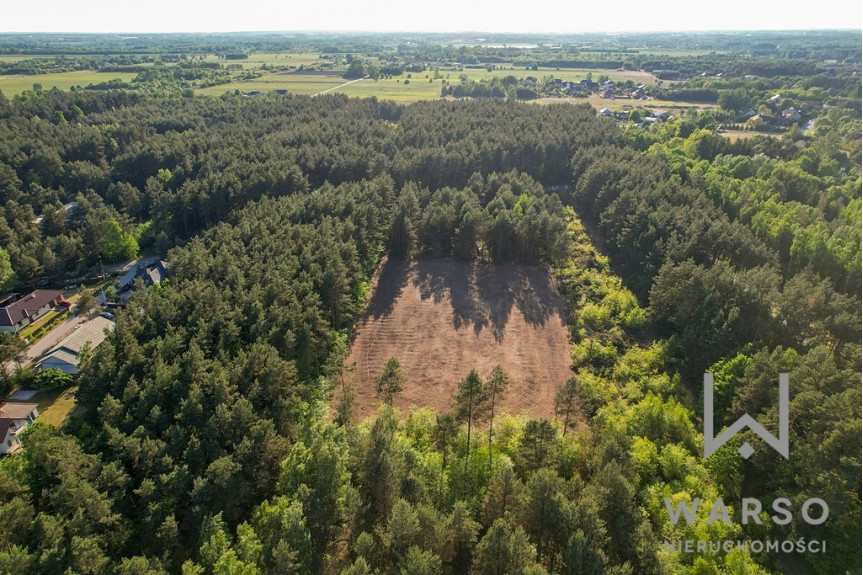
(532, 16)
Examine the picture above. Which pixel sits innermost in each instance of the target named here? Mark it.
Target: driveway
(51, 339)
(114, 269)
(126, 272)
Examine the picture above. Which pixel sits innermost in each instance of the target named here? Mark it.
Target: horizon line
(436, 32)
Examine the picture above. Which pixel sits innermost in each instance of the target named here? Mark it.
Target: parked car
(107, 315)
(70, 287)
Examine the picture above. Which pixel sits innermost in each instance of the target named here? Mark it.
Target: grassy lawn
(14, 85)
(27, 332)
(57, 406)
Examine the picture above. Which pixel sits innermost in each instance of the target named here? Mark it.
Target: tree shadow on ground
(392, 279)
(483, 295)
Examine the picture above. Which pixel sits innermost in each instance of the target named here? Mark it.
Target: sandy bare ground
(440, 318)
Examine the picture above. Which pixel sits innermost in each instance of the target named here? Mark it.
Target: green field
(565, 74)
(257, 59)
(13, 85)
(651, 104)
(679, 53)
(304, 84)
(419, 87)
(10, 58)
(394, 89)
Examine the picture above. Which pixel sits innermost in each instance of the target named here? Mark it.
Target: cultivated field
(440, 318)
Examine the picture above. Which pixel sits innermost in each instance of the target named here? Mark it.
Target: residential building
(64, 356)
(152, 273)
(20, 313)
(13, 418)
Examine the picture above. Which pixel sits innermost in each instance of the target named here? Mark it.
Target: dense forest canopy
(206, 442)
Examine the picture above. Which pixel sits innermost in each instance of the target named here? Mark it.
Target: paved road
(342, 85)
(54, 336)
(51, 339)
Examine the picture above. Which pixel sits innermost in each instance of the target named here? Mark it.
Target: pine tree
(496, 386)
(566, 402)
(471, 403)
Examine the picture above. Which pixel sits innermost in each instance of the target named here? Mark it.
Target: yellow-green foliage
(630, 392)
(604, 311)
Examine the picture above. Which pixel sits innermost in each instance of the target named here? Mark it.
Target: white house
(13, 418)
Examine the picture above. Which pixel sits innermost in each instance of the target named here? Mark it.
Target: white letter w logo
(711, 443)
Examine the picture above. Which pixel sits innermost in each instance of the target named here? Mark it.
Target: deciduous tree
(390, 382)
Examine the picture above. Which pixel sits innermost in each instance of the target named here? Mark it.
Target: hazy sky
(438, 15)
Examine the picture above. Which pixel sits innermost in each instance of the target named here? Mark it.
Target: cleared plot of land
(440, 318)
(13, 85)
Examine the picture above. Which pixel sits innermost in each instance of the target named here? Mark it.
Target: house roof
(60, 355)
(92, 331)
(154, 273)
(13, 313)
(14, 410)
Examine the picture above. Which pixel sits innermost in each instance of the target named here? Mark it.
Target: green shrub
(51, 379)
